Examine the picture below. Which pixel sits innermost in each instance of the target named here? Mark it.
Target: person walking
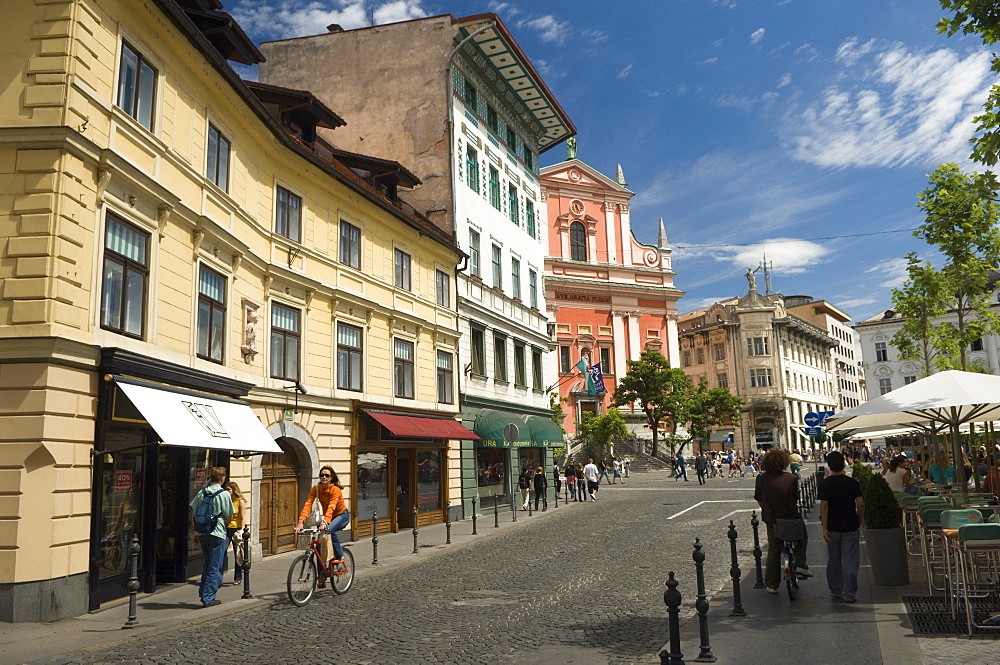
(571, 480)
(605, 467)
(541, 485)
(618, 471)
(777, 494)
(212, 537)
(524, 484)
(234, 529)
(581, 483)
(593, 481)
(841, 510)
(627, 466)
(680, 468)
(556, 478)
(701, 467)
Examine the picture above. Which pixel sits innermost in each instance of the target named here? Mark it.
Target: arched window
(577, 242)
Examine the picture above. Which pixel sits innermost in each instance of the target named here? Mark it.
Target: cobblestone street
(582, 584)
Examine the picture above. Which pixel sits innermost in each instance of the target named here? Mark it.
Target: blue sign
(814, 431)
(813, 419)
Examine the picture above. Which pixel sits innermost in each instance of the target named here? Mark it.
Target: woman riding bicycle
(777, 493)
(335, 513)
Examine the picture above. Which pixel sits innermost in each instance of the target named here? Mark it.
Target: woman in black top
(541, 484)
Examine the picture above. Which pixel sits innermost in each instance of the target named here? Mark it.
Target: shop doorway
(404, 495)
(279, 500)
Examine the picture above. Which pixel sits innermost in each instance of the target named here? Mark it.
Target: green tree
(920, 301)
(709, 408)
(660, 391)
(597, 432)
(960, 223)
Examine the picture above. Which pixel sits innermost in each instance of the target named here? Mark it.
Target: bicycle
(309, 568)
(790, 532)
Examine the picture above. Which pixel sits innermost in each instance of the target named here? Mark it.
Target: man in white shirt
(593, 482)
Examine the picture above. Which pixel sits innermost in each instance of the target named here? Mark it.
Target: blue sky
(747, 126)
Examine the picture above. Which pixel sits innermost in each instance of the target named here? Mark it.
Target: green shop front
(510, 440)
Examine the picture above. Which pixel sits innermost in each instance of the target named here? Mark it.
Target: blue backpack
(205, 517)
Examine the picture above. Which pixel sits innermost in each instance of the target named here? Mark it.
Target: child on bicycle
(335, 513)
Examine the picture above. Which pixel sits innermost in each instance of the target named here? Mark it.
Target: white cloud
(708, 61)
(548, 28)
(892, 106)
(790, 256)
(594, 36)
(807, 53)
(756, 36)
(687, 305)
(311, 18)
(893, 270)
(784, 80)
(505, 8)
(623, 73)
(851, 303)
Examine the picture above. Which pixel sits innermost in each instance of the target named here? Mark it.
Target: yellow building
(174, 240)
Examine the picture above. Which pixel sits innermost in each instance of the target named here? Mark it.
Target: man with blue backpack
(212, 508)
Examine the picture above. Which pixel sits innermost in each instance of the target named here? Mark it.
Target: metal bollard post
(415, 550)
(496, 513)
(374, 536)
(755, 523)
(246, 564)
(447, 527)
(734, 572)
(705, 656)
(672, 599)
(529, 503)
(513, 507)
(474, 532)
(133, 583)
(557, 498)
(545, 501)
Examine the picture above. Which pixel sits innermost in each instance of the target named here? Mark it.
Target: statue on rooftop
(571, 148)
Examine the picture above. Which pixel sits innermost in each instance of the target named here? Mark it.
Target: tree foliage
(659, 390)
(920, 301)
(597, 432)
(709, 408)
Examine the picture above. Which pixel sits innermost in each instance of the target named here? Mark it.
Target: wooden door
(279, 499)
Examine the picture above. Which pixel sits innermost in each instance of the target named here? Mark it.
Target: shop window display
(491, 470)
(121, 504)
(429, 480)
(373, 484)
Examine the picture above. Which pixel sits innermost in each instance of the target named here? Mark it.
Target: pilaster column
(609, 231)
(626, 236)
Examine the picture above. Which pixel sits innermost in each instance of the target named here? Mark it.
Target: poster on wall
(123, 480)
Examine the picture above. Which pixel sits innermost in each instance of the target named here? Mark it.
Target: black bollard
(529, 503)
(755, 523)
(447, 527)
(545, 501)
(133, 583)
(513, 508)
(496, 512)
(374, 536)
(246, 564)
(474, 532)
(672, 599)
(734, 571)
(557, 498)
(705, 655)
(415, 550)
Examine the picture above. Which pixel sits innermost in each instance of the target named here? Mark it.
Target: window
(564, 359)
(536, 369)
(511, 139)
(499, 357)
(761, 378)
(606, 360)
(403, 367)
(577, 242)
(722, 379)
(757, 346)
(471, 97)
(719, 350)
(907, 380)
(211, 314)
(136, 86)
(685, 358)
(445, 379)
(123, 298)
(701, 355)
(477, 342)
(442, 285)
(529, 217)
(497, 267)
(492, 119)
(402, 270)
(884, 386)
(472, 168)
(529, 158)
(512, 211)
(217, 169)
(288, 216)
(284, 343)
(474, 253)
(494, 187)
(520, 366)
(349, 357)
(977, 345)
(881, 353)
(533, 288)
(515, 277)
(350, 245)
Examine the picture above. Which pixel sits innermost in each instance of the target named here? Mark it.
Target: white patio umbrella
(951, 398)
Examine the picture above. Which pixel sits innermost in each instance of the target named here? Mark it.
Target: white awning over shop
(193, 420)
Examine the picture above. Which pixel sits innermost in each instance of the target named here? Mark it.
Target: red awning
(422, 427)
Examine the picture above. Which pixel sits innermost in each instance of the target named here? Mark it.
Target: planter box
(887, 555)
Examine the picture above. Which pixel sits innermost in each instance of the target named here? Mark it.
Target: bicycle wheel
(302, 579)
(342, 577)
(789, 565)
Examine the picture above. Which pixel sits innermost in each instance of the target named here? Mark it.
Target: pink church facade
(609, 295)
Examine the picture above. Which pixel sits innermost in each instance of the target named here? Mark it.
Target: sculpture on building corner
(571, 148)
(249, 347)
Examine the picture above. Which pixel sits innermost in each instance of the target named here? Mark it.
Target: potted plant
(884, 534)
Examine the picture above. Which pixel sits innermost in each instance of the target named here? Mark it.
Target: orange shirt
(332, 501)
